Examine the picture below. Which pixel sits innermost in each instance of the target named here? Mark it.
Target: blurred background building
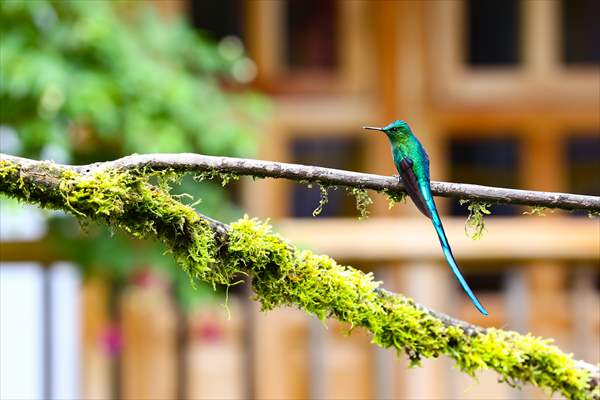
(502, 93)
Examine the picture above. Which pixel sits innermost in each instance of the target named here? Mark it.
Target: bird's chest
(413, 151)
(399, 152)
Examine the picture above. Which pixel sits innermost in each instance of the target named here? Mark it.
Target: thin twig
(188, 162)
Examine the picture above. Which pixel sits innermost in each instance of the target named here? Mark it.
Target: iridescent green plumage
(412, 163)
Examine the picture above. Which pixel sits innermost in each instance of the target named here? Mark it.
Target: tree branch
(119, 194)
(188, 162)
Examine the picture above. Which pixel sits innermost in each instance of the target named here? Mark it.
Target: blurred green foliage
(85, 81)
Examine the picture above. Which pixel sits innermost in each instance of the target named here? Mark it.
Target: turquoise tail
(437, 223)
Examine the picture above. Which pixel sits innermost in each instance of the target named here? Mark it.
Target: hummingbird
(412, 163)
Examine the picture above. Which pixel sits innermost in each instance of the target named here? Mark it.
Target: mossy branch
(284, 275)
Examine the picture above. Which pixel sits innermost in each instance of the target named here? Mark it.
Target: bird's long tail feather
(437, 223)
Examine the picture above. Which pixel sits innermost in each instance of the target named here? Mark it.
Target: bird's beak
(373, 128)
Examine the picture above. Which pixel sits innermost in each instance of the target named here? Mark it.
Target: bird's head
(395, 130)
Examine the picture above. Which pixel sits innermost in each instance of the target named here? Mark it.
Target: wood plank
(517, 238)
(385, 64)
(348, 358)
(282, 345)
(95, 357)
(149, 351)
(43, 251)
(215, 355)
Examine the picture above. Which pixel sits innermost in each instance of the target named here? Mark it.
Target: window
(489, 281)
(581, 31)
(493, 32)
(342, 153)
(311, 34)
(484, 161)
(583, 159)
(221, 19)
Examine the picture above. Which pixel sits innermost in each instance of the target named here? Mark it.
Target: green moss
(7, 168)
(102, 193)
(475, 225)
(394, 197)
(252, 245)
(224, 177)
(324, 199)
(165, 178)
(363, 201)
(12, 182)
(8, 177)
(538, 210)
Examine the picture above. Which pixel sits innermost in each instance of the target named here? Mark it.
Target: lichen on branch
(283, 275)
(323, 199)
(475, 224)
(363, 201)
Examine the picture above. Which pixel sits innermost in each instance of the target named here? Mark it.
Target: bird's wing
(411, 184)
